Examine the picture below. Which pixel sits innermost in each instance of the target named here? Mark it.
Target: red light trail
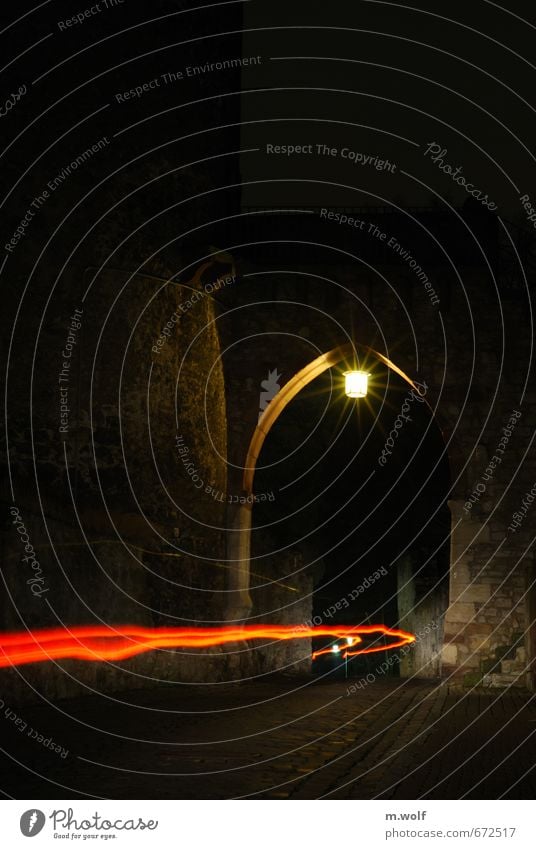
(104, 642)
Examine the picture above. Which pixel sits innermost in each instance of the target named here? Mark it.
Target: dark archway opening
(362, 512)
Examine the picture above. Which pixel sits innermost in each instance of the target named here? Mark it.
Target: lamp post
(336, 649)
(349, 642)
(355, 386)
(356, 383)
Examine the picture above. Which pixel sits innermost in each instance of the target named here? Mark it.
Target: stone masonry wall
(421, 607)
(120, 532)
(282, 594)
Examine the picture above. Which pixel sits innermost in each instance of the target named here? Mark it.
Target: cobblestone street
(284, 738)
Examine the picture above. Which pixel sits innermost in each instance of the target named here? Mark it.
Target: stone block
(512, 666)
(477, 643)
(458, 638)
(503, 603)
(478, 629)
(503, 680)
(501, 566)
(449, 655)
(470, 533)
(460, 577)
(472, 679)
(475, 593)
(459, 612)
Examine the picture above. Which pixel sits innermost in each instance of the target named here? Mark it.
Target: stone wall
(422, 602)
(282, 594)
(487, 629)
(121, 531)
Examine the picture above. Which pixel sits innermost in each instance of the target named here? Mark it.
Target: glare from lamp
(356, 383)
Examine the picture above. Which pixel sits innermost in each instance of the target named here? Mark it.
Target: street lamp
(356, 383)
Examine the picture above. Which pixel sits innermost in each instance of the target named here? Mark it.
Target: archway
(240, 519)
(289, 391)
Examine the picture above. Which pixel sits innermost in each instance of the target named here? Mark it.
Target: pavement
(276, 738)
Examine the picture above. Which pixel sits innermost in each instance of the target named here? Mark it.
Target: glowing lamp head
(356, 383)
(335, 649)
(350, 641)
